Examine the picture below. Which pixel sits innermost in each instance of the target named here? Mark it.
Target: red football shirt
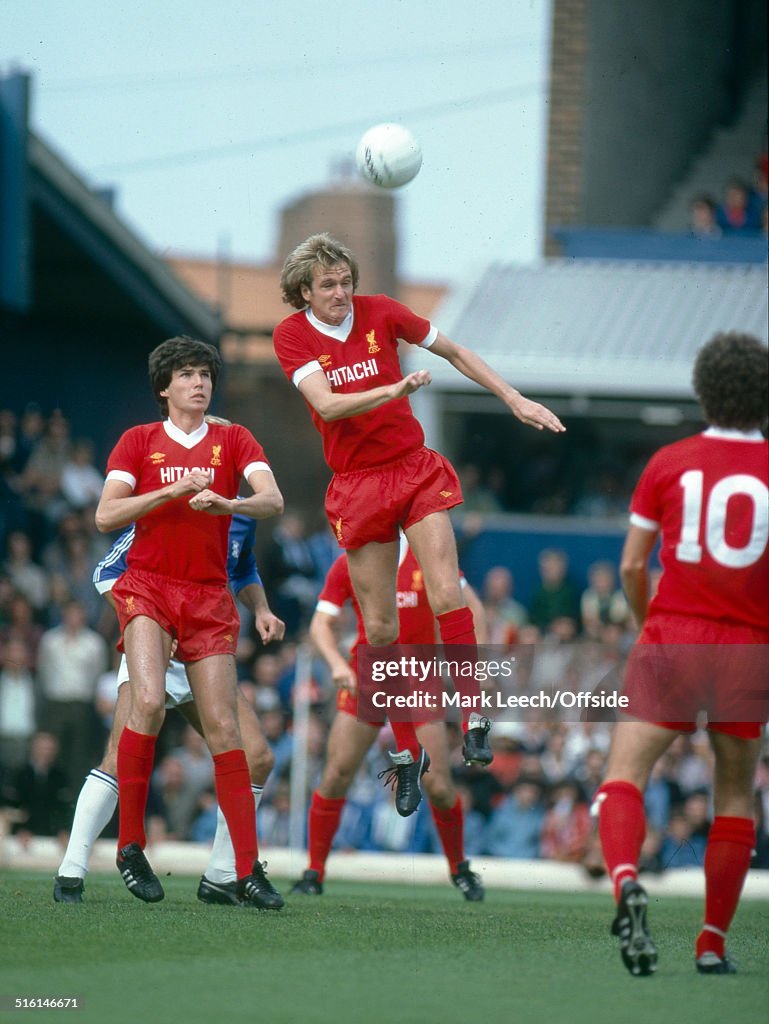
(174, 540)
(709, 497)
(365, 359)
(415, 616)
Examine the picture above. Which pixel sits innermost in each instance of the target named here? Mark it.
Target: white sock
(95, 806)
(221, 863)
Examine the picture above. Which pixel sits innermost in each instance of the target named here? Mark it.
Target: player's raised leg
(348, 743)
(432, 541)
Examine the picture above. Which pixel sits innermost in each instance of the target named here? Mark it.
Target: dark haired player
(341, 351)
(178, 481)
(707, 497)
(98, 796)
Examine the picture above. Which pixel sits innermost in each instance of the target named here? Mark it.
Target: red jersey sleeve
(293, 345)
(404, 323)
(127, 456)
(646, 504)
(249, 454)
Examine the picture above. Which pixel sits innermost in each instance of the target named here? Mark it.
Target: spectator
(39, 790)
(736, 214)
(75, 575)
(566, 827)
(590, 772)
(70, 662)
(290, 573)
(556, 763)
(178, 795)
(516, 824)
(703, 217)
(602, 603)
(31, 431)
(195, 758)
(41, 479)
(504, 615)
(27, 577)
(477, 497)
(81, 482)
(21, 625)
(274, 816)
(687, 834)
(18, 703)
(556, 596)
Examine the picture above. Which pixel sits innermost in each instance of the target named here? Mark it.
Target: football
(388, 155)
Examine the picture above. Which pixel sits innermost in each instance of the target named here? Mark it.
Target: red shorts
(202, 618)
(681, 666)
(368, 505)
(347, 703)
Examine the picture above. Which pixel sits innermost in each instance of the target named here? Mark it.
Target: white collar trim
(340, 332)
(725, 434)
(185, 440)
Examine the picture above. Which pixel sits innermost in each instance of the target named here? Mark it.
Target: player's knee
(440, 791)
(261, 761)
(222, 733)
(445, 596)
(147, 706)
(337, 779)
(382, 631)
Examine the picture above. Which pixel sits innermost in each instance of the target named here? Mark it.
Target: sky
(208, 118)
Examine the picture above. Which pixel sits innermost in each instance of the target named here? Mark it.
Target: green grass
(374, 954)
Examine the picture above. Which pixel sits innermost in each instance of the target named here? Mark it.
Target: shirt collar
(340, 332)
(728, 434)
(185, 440)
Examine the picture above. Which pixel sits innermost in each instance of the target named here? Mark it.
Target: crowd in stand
(741, 210)
(57, 690)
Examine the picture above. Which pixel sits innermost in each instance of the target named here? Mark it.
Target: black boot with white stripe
(137, 874)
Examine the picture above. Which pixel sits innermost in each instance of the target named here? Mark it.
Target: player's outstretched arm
(118, 506)
(323, 635)
(470, 365)
(330, 406)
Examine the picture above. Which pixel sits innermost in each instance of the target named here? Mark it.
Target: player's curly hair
(175, 353)
(731, 381)
(297, 270)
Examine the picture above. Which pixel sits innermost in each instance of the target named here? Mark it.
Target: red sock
(622, 827)
(457, 627)
(233, 792)
(135, 757)
(727, 859)
(322, 824)
(451, 829)
(406, 738)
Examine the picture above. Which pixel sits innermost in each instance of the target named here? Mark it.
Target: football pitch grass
(362, 953)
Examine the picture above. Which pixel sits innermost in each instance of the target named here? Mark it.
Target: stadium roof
(79, 233)
(599, 326)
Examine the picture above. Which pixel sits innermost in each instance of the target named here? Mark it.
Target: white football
(388, 155)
